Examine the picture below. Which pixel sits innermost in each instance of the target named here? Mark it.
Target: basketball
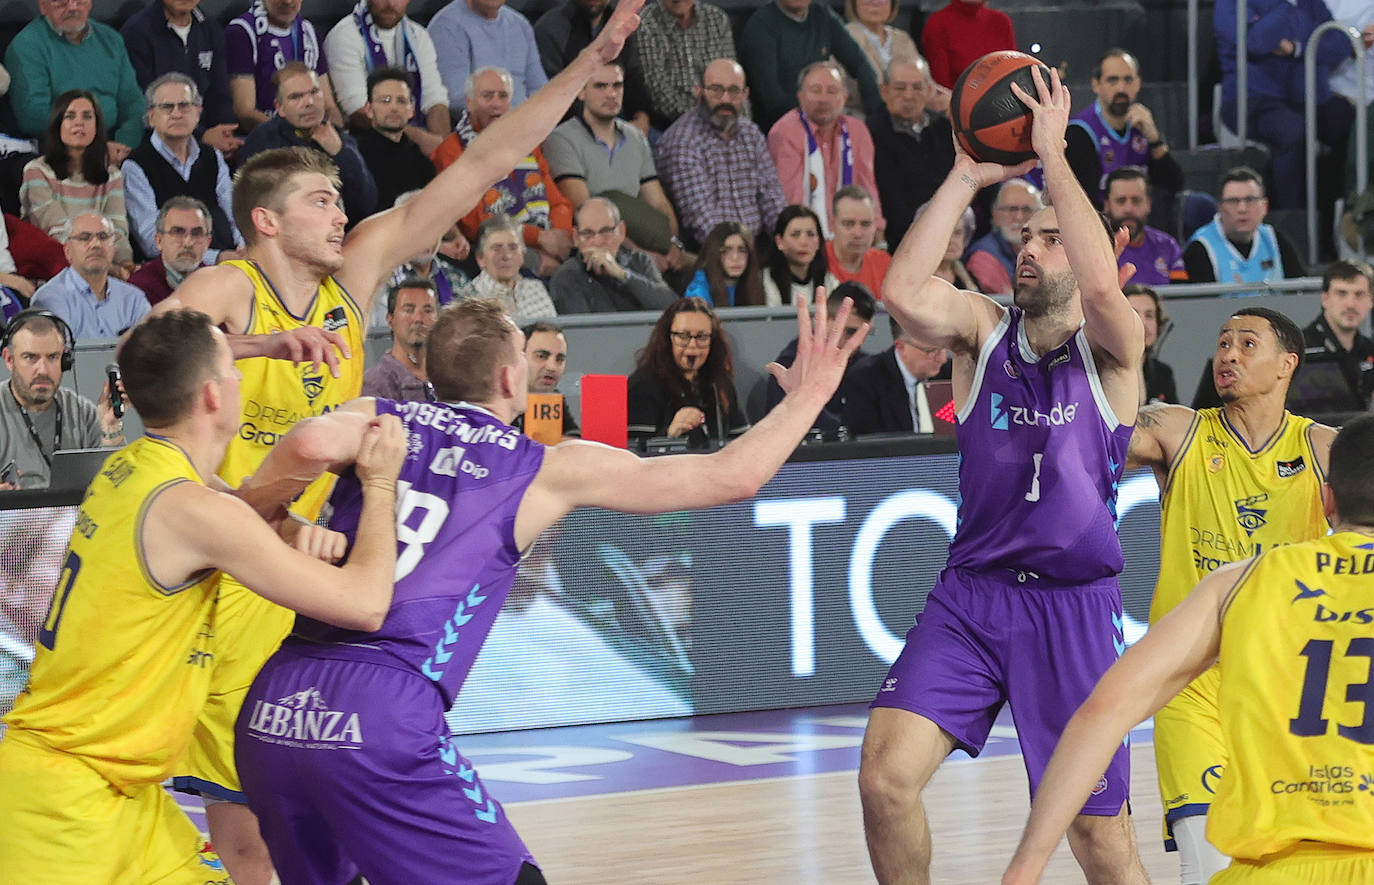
(991, 123)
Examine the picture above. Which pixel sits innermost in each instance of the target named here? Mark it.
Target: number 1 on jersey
(1034, 493)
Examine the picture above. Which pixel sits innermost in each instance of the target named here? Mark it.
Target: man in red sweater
(959, 34)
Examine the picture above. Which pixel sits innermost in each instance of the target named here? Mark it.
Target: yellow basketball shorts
(1189, 753)
(248, 629)
(64, 824)
(1306, 864)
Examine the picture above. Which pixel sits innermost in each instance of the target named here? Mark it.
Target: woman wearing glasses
(73, 175)
(683, 385)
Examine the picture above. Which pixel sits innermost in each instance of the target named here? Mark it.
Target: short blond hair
(268, 178)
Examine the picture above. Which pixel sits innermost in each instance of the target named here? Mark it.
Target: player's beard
(319, 257)
(1048, 295)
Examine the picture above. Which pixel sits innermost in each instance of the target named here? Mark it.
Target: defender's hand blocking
(308, 344)
(1050, 109)
(382, 451)
(823, 351)
(622, 24)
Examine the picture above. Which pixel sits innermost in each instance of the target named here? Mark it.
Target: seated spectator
(850, 256)
(74, 175)
(727, 273)
(411, 308)
(784, 38)
(605, 274)
(169, 162)
(1237, 246)
(546, 354)
(183, 232)
(176, 36)
(394, 155)
(266, 38)
(300, 122)
(885, 392)
(951, 269)
(1157, 382)
(528, 194)
(598, 154)
(1116, 131)
(797, 263)
(500, 254)
(818, 149)
(869, 25)
(567, 29)
(913, 148)
(1335, 335)
(683, 385)
(431, 264)
(715, 162)
(831, 418)
(40, 416)
(15, 288)
(377, 35)
(85, 295)
(37, 256)
(1276, 50)
(1157, 257)
(63, 51)
(677, 40)
(482, 34)
(992, 257)
(960, 33)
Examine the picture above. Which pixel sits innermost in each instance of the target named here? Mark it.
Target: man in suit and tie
(885, 392)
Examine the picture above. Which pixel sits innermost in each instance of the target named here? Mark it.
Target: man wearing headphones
(37, 415)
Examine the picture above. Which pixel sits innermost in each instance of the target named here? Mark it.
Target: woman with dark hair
(727, 273)
(1157, 383)
(684, 380)
(73, 175)
(796, 265)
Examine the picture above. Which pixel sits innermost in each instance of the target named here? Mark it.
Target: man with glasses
(1237, 246)
(395, 150)
(600, 154)
(169, 162)
(992, 257)
(61, 50)
(913, 148)
(379, 34)
(91, 301)
(606, 275)
(715, 162)
(184, 231)
(886, 392)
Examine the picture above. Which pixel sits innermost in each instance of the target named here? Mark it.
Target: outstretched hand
(618, 29)
(308, 344)
(1120, 240)
(823, 349)
(1050, 109)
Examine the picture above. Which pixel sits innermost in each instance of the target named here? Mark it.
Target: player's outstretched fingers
(1124, 273)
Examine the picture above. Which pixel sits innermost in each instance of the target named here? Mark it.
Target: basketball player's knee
(885, 784)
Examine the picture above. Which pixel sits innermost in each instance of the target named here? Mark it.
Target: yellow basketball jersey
(1297, 700)
(278, 393)
(1223, 503)
(123, 663)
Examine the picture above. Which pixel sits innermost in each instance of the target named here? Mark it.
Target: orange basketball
(991, 123)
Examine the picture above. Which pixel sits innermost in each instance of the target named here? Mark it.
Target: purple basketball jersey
(457, 497)
(253, 46)
(1041, 454)
(1114, 149)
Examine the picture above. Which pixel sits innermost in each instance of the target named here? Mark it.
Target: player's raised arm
(384, 241)
(327, 442)
(577, 474)
(1111, 324)
(926, 306)
(1173, 653)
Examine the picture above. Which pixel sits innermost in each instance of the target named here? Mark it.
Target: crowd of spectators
(735, 166)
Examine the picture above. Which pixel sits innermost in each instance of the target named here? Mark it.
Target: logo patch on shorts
(1101, 786)
(889, 684)
(305, 720)
(209, 858)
